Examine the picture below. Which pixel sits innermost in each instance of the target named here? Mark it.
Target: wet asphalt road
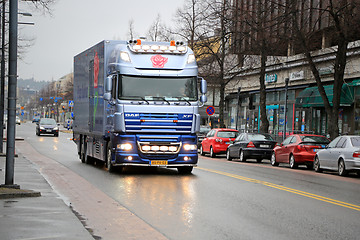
(221, 199)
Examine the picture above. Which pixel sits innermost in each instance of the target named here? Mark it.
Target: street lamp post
(238, 107)
(10, 143)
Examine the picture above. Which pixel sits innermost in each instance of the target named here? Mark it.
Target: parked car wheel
(228, 155)
(292, 162)
(212, 154)
(317, 164)
(341, 168)
(202, 153)
(273, 160)
(241, 156)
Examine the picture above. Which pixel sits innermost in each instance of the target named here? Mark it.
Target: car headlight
(56, 128)
(190, 147)
(42, 128)
(124, 146)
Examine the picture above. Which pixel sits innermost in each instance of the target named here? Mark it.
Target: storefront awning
(310, 97)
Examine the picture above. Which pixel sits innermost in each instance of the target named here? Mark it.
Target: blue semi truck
(136, 103)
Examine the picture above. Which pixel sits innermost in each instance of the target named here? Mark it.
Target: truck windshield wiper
(137, 97)
(182, 98)
(162, 98)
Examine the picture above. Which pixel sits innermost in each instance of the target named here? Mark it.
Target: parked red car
(217, 141)
(298, 149)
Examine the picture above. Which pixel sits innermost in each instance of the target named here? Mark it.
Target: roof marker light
(172, 43)
(145, 47)
(155, 47)
(138, 42)
(163, 48)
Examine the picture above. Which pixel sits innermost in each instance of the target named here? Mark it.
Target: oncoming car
(47, 126)
(217, 141)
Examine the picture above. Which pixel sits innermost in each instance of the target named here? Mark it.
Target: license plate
(316, 149)
(264, 146)
(159, 162)
(48, 130)
(227, 142)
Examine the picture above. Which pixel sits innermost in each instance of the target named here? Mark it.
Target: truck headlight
(190, 147)
(124, 146)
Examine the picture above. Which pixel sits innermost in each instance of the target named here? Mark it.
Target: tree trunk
(264, 126)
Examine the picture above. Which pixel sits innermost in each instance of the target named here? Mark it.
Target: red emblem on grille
(158, 61)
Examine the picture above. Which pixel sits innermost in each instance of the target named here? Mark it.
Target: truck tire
(84, 157)
(111, 168)
(185, 170)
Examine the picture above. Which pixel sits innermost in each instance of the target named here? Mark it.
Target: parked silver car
(341, 155)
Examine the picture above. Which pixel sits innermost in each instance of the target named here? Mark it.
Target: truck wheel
(110, 167)
(185, 170)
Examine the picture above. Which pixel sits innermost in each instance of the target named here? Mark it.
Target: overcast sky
(78, 24)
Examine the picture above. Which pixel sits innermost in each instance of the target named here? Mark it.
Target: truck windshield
(157, 88)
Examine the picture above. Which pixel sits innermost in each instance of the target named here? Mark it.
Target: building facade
(305, 109)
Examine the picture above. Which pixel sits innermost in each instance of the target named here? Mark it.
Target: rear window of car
(260, 137)
(316, 139)
(355, 141)
(229, 134)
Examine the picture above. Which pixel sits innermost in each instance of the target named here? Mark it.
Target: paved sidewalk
(42, 217)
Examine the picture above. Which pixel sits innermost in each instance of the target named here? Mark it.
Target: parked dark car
(298, 149)
(341, 155)
(217, 141)
(202, 134)
(251, 145)
(47, 126)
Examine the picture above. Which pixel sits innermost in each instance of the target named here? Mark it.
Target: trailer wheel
(84, 157)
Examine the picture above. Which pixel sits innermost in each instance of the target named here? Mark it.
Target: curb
(8, 192)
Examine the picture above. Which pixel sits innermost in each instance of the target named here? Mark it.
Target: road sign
(210, 110)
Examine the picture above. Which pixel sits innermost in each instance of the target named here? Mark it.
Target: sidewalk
(37, 217)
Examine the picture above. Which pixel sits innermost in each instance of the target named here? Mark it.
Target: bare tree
(157, 30)
(131, 32)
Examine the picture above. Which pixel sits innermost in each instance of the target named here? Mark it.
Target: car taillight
(300, 148)
(250, 145)
(356, 154)
(218, 140)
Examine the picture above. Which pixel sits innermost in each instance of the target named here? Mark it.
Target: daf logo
(131, 115)
(187, 116)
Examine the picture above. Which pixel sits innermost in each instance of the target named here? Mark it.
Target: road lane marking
(287, 189)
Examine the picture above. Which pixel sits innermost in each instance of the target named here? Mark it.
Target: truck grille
(158, 122)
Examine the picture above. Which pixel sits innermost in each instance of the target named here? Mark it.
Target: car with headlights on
(341, 155)
(47, 126)
(257, 146)
(298, 149)
(217, 141)
(17, 120)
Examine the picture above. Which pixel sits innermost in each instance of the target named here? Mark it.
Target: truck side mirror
(203, 86)
(203, 99)
(108, 84)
